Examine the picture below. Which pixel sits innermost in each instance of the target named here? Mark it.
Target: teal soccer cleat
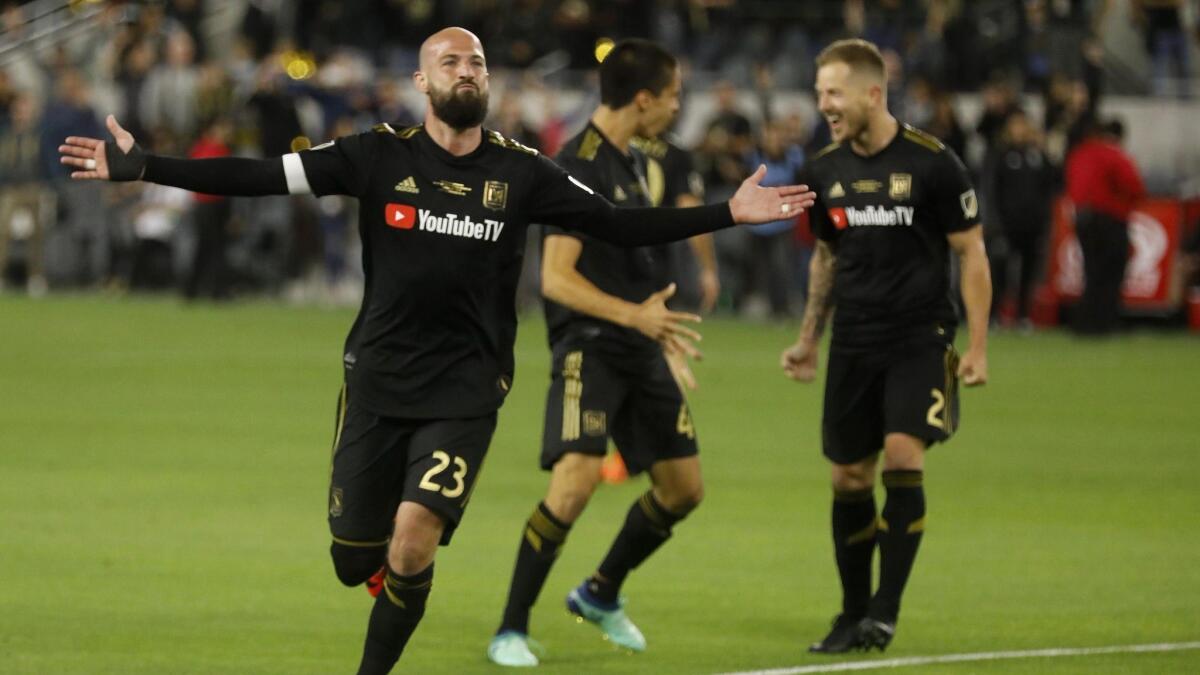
(610, 619)
(511, 648)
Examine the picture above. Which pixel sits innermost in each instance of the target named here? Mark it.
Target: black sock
(900, 528)
(647, 526)
(395, 616)
(540, 543)
(854, 546)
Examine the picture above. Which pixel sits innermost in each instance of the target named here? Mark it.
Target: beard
(460, 108)
(852, 125)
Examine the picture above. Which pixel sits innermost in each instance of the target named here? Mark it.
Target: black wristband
(124, 166)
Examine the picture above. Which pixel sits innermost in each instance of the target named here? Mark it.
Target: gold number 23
(443, 461)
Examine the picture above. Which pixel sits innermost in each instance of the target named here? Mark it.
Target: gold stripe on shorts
(572, 393)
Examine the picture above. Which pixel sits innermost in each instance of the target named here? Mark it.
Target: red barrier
(1153, 283)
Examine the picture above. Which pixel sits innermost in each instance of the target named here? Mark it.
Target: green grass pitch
(163, 472)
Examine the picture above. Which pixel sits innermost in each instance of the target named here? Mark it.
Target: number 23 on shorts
(458, 474)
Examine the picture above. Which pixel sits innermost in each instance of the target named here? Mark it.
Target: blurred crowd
(295, 73)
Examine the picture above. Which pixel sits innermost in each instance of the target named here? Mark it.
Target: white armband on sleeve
(293, 170)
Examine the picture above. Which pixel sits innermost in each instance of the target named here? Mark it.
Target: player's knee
(853, 477)
(355, 564)
(567, 503)
(681, 502)
(572, 485)
(409, 556)
(903, 452)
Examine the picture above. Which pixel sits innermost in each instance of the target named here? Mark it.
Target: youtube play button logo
(838, 216)
(400, 216)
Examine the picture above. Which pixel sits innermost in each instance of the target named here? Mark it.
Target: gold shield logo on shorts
(595, 422)
(900, 186)
(495, 195)
(335, 502)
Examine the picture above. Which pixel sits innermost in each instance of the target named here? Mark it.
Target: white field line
(978, 656)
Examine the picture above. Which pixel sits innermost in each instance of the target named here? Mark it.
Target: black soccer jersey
(443, 238)
(628, 273)
(887, 217)
(671, 173)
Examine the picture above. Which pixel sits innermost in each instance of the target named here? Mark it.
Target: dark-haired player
(615, 347)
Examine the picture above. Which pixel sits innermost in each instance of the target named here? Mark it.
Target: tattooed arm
(799, 361)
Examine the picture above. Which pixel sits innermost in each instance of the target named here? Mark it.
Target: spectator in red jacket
(1105, 186)
(209, 275)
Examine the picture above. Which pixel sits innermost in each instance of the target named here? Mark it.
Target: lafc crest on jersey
(495, 195)
(900, 186)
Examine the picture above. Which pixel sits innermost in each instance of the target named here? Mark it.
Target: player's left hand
(90, 156)
(972, 368)
(753, 203)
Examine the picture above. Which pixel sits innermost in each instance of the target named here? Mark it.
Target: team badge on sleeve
(970, 205)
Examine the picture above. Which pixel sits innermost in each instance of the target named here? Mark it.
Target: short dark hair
(859, 54)
(634, 65)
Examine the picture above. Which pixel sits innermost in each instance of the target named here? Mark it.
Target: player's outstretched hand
(799, 361)
(655, 321)
(753, 203)
(91, 156)
(973, 368)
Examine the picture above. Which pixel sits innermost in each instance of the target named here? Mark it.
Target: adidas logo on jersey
(837, 191)
(408, 185)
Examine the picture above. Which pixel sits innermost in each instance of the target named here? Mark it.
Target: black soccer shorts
(594, 395)
(379, 462)
(909, 388)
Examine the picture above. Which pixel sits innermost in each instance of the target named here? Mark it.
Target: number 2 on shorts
(939, 404)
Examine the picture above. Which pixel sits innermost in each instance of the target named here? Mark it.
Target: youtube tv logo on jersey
(400, 216)
(838, 216)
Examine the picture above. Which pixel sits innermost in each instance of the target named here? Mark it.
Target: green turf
(162, 502)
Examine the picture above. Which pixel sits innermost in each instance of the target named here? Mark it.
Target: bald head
(453, 39)
(453, 74)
